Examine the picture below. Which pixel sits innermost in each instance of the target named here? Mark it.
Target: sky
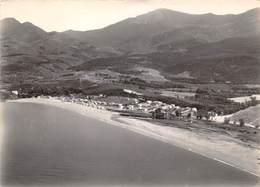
(61, 15)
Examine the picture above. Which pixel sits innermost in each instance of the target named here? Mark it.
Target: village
(140, 108)
(134, 104)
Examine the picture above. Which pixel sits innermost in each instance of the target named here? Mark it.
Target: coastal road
(45, 145)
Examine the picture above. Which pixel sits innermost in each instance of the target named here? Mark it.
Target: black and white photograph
(129, 93)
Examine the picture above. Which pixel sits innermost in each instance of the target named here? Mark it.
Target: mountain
(145, 33)
(29, 51)
(206, 47)
(26, 32)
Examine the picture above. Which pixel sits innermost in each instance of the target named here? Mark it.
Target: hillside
(234, 60)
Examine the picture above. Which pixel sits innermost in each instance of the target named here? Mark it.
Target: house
(158, 114)
(14, 92)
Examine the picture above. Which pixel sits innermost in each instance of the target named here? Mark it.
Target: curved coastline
(230, 153)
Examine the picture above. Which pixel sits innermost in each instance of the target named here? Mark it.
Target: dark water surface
(46, 145)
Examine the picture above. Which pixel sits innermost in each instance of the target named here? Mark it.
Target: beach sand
(216, 147)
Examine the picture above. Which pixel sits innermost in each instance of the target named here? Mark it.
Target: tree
(241, 122)
(226, 120)
(253, 101)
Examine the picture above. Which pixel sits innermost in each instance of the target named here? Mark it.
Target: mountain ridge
(250, 11)
(198, 44)
(125, 35)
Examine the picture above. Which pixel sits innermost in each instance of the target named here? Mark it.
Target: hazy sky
(60, 15)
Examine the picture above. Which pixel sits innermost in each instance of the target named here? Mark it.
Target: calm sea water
(46, 145)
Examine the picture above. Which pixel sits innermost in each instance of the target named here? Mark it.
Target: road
(45, 145)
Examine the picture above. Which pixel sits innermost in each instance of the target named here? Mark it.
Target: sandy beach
(217, 147)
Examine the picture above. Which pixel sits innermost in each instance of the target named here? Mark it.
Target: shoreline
(227, 152)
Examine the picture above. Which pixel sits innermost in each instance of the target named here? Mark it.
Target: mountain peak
(9, 19)
(162, 16)
(10, 22)
(32, 26)
(26, 31)
(8, 25)
(165, 11)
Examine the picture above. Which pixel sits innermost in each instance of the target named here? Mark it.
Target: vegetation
(207, 98)
(226, 120)
(241, 122)
(218, 101)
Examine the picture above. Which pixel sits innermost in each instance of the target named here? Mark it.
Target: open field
(244, 99)
(177, 94)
